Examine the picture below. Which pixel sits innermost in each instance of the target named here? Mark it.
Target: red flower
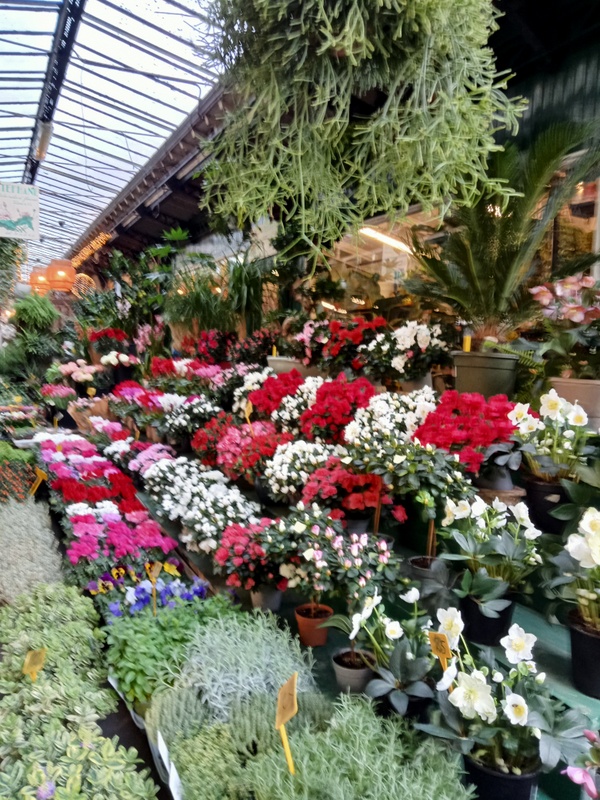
(335, 406)
(205, 440)
(268, 398)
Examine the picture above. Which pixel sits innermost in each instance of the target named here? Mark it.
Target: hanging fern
(347, 108)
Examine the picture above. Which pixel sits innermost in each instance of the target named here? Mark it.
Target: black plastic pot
(483, 630)
(495, 478)
(542, 498)
(123, 373)
(492, 785)
(66, 421)
(585, 657)
(260, 487)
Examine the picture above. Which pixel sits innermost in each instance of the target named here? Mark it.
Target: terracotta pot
(266, 598)
(492, 785)
(352, 679)
(586, 393)
(309, 631)
(282, 364)
(585, 657)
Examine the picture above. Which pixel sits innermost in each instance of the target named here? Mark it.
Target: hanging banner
(19, 211)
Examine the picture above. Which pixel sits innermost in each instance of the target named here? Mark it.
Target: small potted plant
(575, 579)
(404, 357)
(554, 445)
(334, 407)
(503, 720)
(497, 544)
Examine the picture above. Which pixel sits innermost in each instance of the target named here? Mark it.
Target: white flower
(451, 624)
(518, 644)
(521, 513)
(497, 677)
(532, 533)
(393, 629)
(540, 678)
(479, 507)
(356, 625)
(473, 697)
(448, 677)
(530, 425)
(370, 605)
(577, 416)
(578, 548)
(498, 505)
(515, 708)
(551, 405)
(519, 413)
(412, 596)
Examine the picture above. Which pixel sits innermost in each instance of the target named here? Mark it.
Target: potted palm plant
(488, 261)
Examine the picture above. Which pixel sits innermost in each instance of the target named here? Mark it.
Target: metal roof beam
(90, 94)
(64, 39)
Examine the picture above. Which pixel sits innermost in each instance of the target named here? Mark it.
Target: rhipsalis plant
(352, 108)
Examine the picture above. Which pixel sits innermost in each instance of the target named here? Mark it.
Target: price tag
(40, 476)
(91, 391)
(440, 647)
(287, 707)
(175, 783)
(153, 573)
(34, 663)
(248, 414)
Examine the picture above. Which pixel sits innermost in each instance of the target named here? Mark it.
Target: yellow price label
(91, 391)
(40, 476)
(440, 647)
(287, 708)
(248, 413)
(34, 663)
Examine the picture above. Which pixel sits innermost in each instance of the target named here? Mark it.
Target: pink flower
(575, 313)
(582, 777)
(543, 295)
(591, 736)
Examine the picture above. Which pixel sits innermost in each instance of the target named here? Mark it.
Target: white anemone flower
(448, 677)
(473, 697)
(516, 709)
(412, 596)
(451, 624)
(393, 630)
(370, 604)
(356, 625)
(519, 413)
(518, 644)
(577, 416)
(521, 514)
(551, 405)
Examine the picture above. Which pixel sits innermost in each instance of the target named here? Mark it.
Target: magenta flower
(582, 777)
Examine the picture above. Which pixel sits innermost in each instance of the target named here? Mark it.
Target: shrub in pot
(503, 720)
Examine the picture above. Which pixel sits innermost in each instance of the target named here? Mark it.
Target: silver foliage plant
(29, 548)
(349, 108)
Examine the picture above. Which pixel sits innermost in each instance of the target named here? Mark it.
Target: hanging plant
(347, 108)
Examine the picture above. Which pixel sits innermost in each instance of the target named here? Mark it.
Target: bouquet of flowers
(268, 398)
(343, 339)
(189, 416)
(254, 349)
(389, 414)
(497, 538)
(555, 443)
(257, 555)
(149, 338)
(575, 572)
(58, 395)
(504, 719)
(468, 424)
(108, 339)
(292, 406)
(292, 464)
(206, 439)
(407, 353)
(335, 406)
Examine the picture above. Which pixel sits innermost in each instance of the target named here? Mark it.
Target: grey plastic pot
(586, 393)
(486, 373)
(266, 598)
(353, 680)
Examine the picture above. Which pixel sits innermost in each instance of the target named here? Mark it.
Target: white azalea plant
(406, 353)
(189, 416)
(576, 571)
(251, 382)
(287, 416)
(555, 443)
(503, 717)
(497, 538)
(288, 471)
(201, 499)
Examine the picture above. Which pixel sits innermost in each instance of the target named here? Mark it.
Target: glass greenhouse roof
(130, 80)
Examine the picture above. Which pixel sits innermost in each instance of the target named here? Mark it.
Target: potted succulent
(503, 720)
(497, 544)
(575, 579)
(485, 266)
(571, 307)
(554, 445)
(405, 355)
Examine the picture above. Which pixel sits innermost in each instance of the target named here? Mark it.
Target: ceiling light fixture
(391, 241)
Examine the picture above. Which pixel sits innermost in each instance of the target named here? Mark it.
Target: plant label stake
(431, 539)
(91, 391)
(247, 414)
(377, 519)
(440, 647)
(40, 476)
(274, 352)
(153, 573)
(34, 663)
(287, 707)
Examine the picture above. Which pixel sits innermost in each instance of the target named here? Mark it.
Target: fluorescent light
(43, 140)
(391, 241)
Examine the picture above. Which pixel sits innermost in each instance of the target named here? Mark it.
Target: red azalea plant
(109, 339)
(254, 349)
(244, 555)
(205, 440)
(254, 454)
(268, 398)
(341, 348)
(211, 347)
(336, 404)
(467, 424)
(244, 448)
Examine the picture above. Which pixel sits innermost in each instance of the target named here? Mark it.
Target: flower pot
(416, 384)
(308, 618)
(352, 675)
(266, 598)
(358, 525)
(260, 487)
(481, 629)
(494, 478)
(65, 420)
(419, 567)
(542, 498)
(586, 393)
(123, 373)
(152, 435)
(492, 785)
(585, 657)
(282, 364)
(486, 373)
